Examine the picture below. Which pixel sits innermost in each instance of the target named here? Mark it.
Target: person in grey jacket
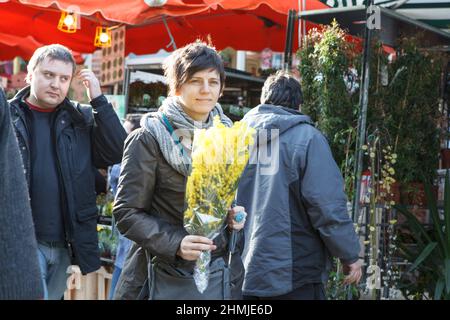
(294, 195)
(20, 277)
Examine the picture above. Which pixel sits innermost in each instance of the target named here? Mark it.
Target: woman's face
(200, 94)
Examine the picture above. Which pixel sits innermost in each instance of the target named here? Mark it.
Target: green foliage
(105, 204)
(403, 100)
(323, 63)
(335, 289)
(107, 242)
(430, 253)
(147, 94)
(409, 109)
(267, 72)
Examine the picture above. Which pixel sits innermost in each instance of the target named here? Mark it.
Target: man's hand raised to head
(91, 82)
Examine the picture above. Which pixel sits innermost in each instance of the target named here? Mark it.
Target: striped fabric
(433, 12)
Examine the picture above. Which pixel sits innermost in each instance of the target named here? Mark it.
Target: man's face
(50, 82)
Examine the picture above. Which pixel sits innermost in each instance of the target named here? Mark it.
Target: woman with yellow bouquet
(150, 205)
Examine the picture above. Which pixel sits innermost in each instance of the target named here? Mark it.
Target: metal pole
(172, 40)
(126, 87)
(364, 100)
(304, 24)
(292, 15)
(301, 24)
(300, 30)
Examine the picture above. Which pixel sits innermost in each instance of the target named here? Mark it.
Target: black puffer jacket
(149, 210)
(84, 139)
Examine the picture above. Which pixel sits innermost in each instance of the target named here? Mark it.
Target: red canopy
(241, 24)
(136, 12)
(122, 11)
(244, 30)
(12, 46)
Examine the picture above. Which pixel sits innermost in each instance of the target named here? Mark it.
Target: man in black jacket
(62, 143)
(20, 277)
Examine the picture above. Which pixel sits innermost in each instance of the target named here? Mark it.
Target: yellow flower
(219, 156)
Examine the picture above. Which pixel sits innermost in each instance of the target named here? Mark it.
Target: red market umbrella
(12, 46)
(243, 30)
(23, 21)
(40, 18)
(280, 6)
(136, 12)
(121, 11)
(243, 24)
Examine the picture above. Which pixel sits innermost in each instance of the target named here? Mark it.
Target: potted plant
(429, 254)
(107, 242)
(330, 91)
(410, 105)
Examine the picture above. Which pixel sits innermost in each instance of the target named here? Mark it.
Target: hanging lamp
(68, 22)
(103, 37)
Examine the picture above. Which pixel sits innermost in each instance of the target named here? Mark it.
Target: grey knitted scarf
(178, 155)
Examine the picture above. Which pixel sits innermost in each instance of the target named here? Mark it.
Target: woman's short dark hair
(134, 120)
(183, 63)
(282, 89)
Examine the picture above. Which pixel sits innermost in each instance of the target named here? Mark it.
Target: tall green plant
(325, 62)
(411, 109)
(431, 254)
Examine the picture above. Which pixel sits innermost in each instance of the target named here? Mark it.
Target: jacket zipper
(65, 207)
(25, 137)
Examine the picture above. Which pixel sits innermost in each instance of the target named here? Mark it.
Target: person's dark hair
(183, 63)
(282, 89)
(134, 120)
(53, 52)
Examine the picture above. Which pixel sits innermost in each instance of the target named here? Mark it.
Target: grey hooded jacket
(294, 195)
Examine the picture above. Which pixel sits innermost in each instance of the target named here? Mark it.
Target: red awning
(241, 24)
(12, 46)
(117, 11)
(252, 30)
(136, 12)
